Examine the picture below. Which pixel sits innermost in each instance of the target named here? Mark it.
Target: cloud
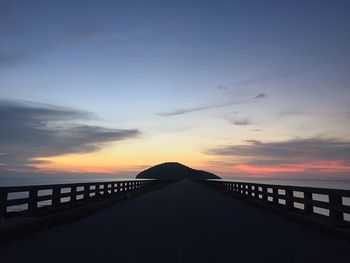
(201, 108)
(260, 96)
(292, 113)
(11, 56)
(241, 122)
(222, 87)
(254, 142)
(32, 130)
(265, 78)
(208, 107)
(183, 111)
(295, 151)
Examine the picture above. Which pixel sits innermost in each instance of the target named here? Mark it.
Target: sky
(238, 88)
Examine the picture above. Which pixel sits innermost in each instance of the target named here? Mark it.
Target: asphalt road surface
(182, 222)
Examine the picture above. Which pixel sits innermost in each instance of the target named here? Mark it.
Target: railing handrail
(315, 190)
(65, 185)
(101, 189)
(261, 192)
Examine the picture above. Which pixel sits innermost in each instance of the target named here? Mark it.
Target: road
(182, 222)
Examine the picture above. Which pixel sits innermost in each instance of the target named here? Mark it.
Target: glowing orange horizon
(64, 164)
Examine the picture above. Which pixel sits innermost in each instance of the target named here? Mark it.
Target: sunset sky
(238, 88)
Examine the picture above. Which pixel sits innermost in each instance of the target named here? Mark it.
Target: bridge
(166, 221)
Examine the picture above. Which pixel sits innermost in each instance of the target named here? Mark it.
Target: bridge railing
(23, 199)
(333, 203)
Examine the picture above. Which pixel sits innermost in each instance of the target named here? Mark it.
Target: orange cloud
(316, 166)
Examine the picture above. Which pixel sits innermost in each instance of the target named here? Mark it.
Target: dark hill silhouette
(174, 171)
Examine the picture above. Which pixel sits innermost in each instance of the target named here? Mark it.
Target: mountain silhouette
(174, 171)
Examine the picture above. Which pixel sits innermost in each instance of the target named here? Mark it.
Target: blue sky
(184, 74)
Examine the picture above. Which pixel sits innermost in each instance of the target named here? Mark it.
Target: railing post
(256, 191)
(3, 200)
(33, 200)
(251, 191)
(105, 190)
(275, 195)
(289, 199)
(248, 190)
(86, 192)
(97, 190)
(241, 188)
(56, 192)
(264, 194)
(335, 202)
(73, 193)
(308, 207)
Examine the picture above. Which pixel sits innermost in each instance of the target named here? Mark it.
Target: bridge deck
(183, 222)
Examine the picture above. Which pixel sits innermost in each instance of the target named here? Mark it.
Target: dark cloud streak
(31, 130)
(208, 107)
(241, 122)
(260, 96)
(266, 78)
(194, 109)
(287, 152)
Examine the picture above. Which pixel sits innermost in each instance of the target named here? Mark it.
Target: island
(174, 171)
